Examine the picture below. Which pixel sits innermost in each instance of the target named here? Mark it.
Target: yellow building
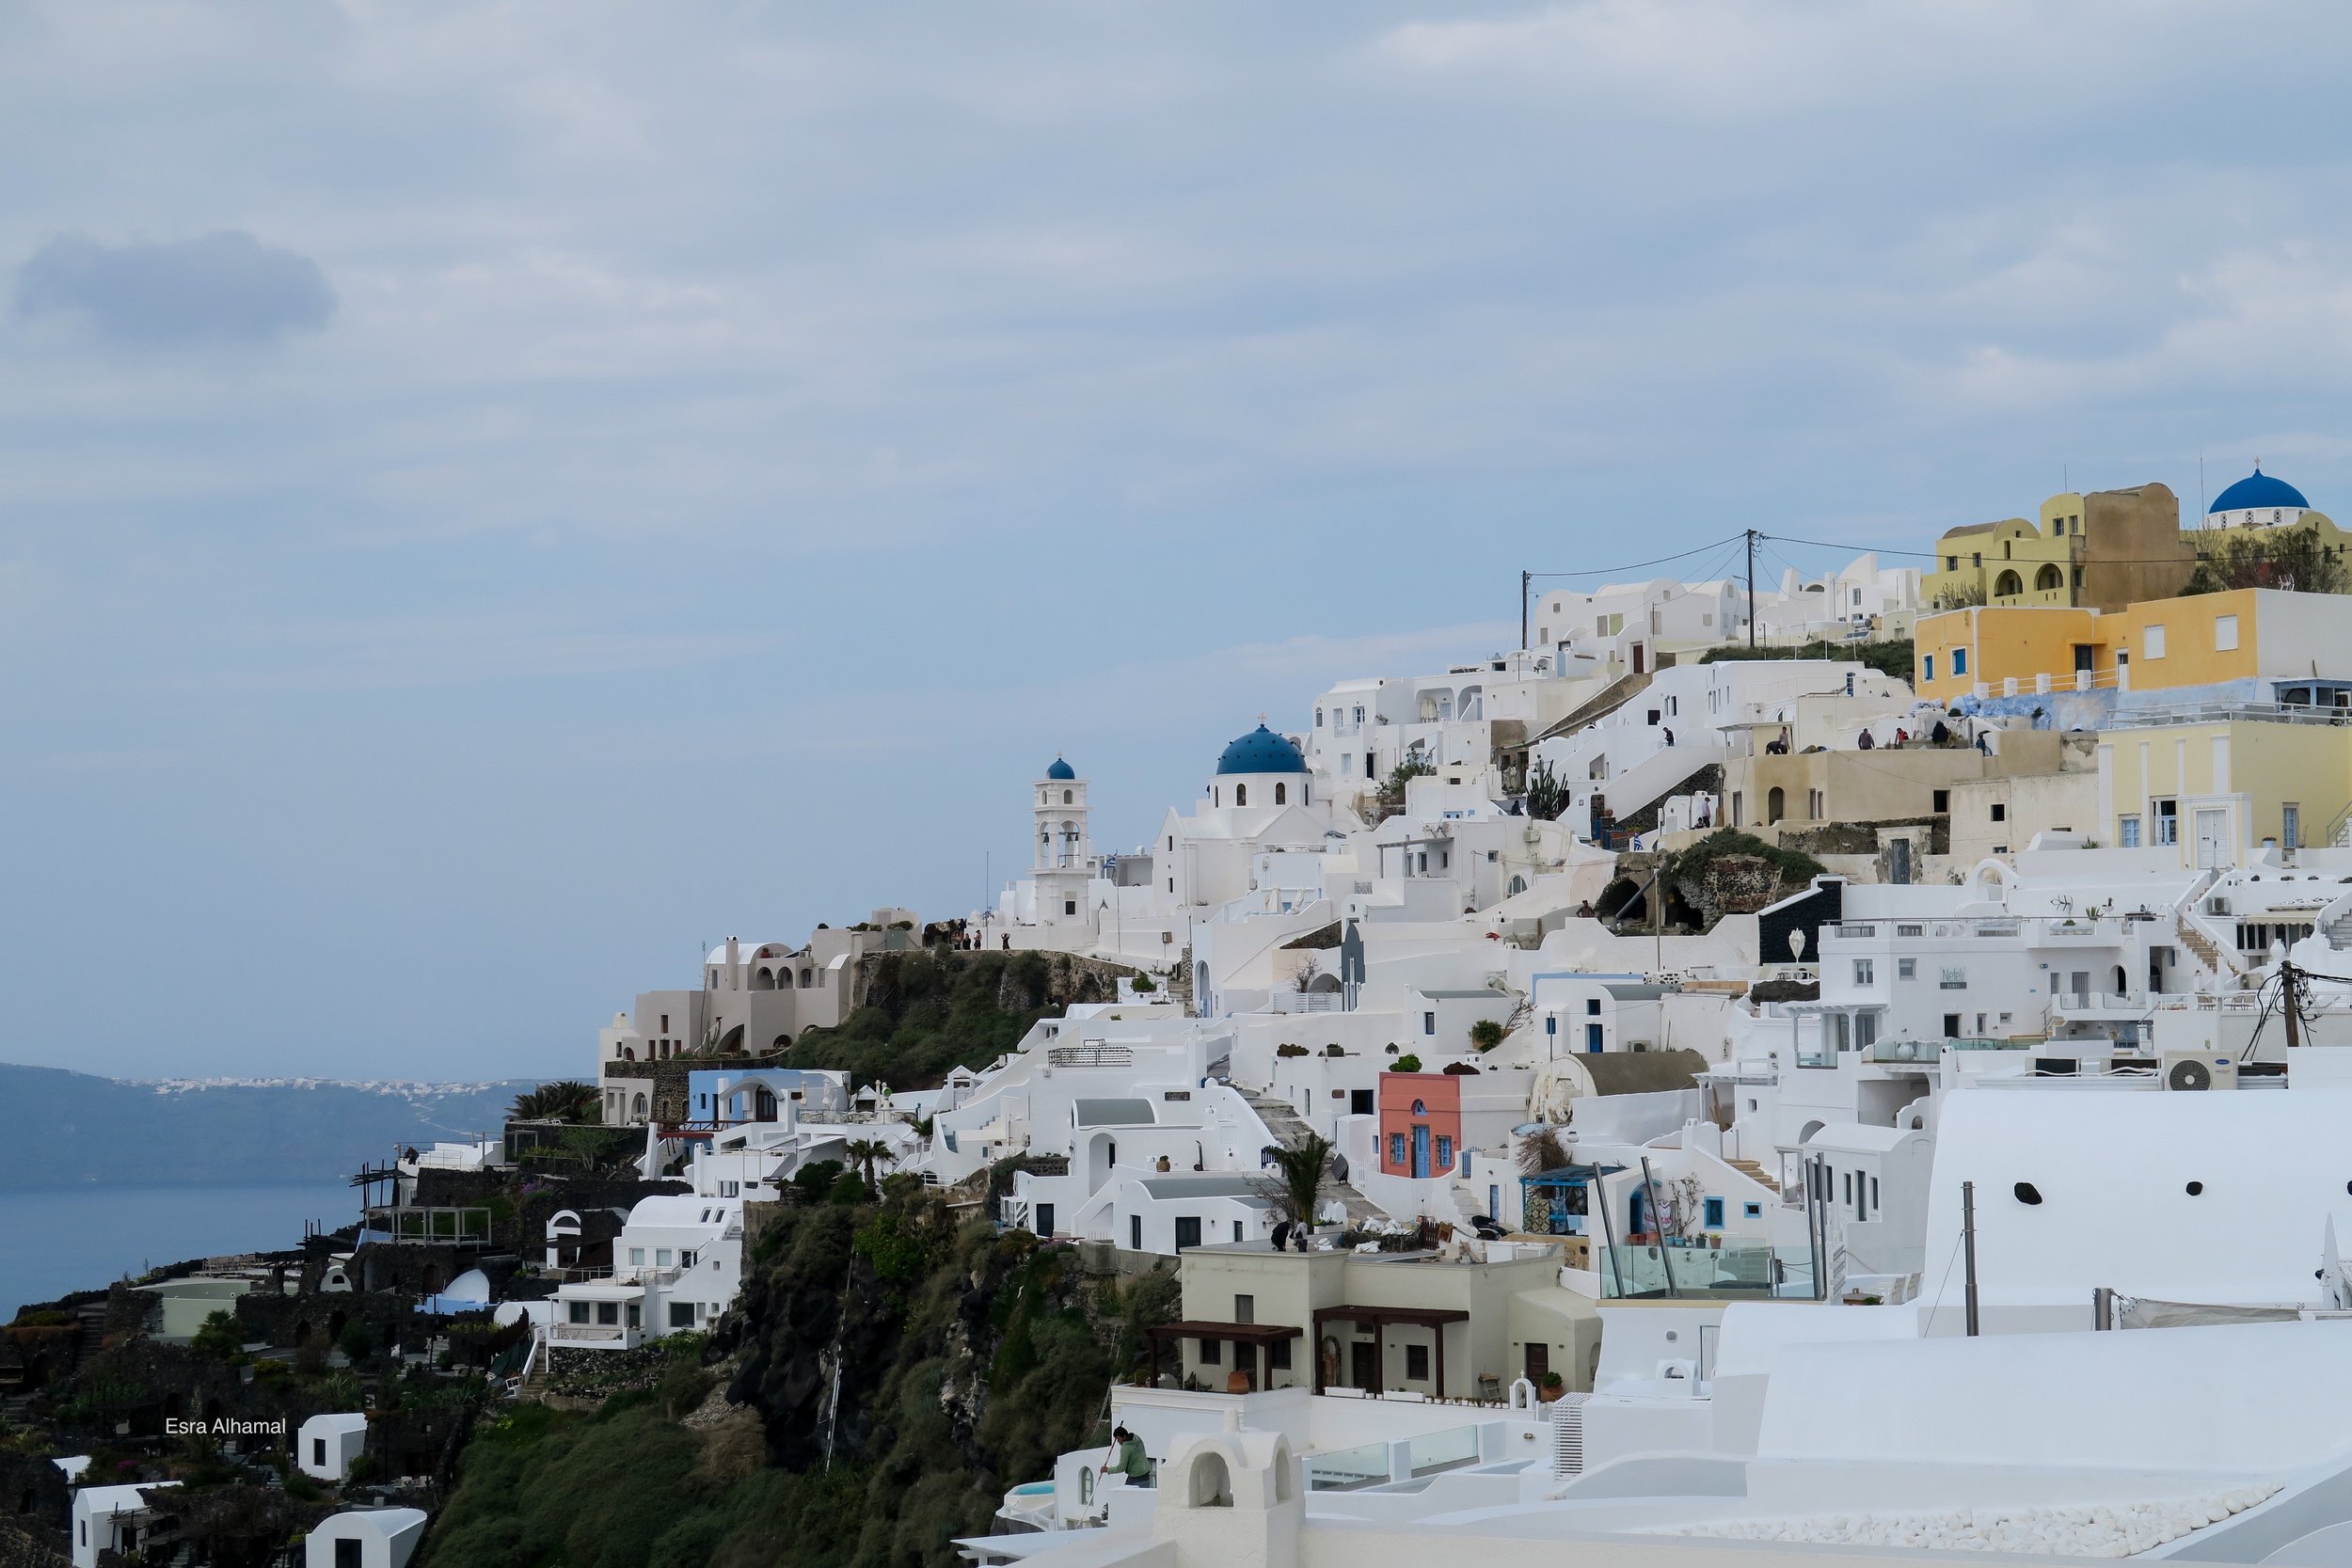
(2102, 550)
(2219, 788)
(2202, 640)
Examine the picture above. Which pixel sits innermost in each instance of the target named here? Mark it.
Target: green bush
(1487, 1033)
(1407, 1063)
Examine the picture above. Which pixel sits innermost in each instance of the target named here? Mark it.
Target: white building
(327, 1445)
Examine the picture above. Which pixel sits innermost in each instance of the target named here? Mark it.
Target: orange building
(1421, 1123)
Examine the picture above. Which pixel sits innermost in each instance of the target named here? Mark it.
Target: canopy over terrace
(1196, 1328)
(1431, 1318)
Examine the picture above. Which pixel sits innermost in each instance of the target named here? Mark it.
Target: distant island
(74, 1130)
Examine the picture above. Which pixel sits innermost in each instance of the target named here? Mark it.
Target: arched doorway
(1775, 805)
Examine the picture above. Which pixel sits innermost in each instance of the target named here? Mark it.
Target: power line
(1638, 565)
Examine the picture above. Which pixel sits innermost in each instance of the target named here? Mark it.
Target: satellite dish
(2188, 1073)
(1796, 945)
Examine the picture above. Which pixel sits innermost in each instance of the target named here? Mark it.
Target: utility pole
(1527, 580)
(1751, 540)
(1968, 1247)
(2287, 999)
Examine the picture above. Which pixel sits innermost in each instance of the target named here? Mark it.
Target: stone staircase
(1290, 1131)
(1755, 1173)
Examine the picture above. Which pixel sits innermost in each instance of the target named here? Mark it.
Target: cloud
(225, 288)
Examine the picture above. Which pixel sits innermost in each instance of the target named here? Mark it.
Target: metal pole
(1968, 1247)
(1751, 587)
(2103, 1307)
(2294, 1010)
(1658, 1226)
(1596, 1201)
(1816, 1238)
(1526, 579)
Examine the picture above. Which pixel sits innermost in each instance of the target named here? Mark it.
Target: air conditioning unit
(2199, 1069)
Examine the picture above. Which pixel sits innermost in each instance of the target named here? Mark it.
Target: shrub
(1407, 1063)
(357, 1343)
(220, 1339)
(1487, 1033)
(1290, 1051)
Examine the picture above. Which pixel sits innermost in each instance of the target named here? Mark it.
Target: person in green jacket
(1128, 1458)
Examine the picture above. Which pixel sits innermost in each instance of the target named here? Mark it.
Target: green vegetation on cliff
(893, 1368)
(926, 1013)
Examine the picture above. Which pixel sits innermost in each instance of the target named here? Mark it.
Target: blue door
(1633, 1220)
(1420, 1151)
(1592, 1039)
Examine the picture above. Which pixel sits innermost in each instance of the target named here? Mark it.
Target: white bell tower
(1060, 841)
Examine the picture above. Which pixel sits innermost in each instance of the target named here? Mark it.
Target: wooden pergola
(1246, 1334)
(1432, 1318)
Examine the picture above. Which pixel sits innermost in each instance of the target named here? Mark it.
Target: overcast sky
(493, 496)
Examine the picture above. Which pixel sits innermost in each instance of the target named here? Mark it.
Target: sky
(496, 497)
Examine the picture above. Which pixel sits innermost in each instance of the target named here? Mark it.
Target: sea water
(55, 1240)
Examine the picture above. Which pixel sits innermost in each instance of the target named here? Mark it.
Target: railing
(1091, 1055)
(1683, 1268)
(2100, 1002)
(1928, 1051)
(640, 1275)
(2210, 713)
(1306, 1001)
(1433, 1451)
(420, 1227)
(1346, 1470)
(588, 1333)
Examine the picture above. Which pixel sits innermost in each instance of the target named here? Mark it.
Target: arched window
(1281, 794)
(1420, 1109)
(1241, 795)
(2008, 585)
(1068, 797)
(2048, 577)
(1775, 805)
(639, 1108)
(1518, 885)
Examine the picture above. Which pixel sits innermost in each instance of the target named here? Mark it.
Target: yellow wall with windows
(2274, 765)
(2202, 639)
(1996, 642)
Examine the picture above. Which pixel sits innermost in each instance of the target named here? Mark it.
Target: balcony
(594, 1335)
(1683, 1268)
(410, 1226)
(2102, 1004)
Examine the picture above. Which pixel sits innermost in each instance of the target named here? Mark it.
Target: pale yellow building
(2222, 787)
(1379, 1321)
(1888, 783)
(2103, 550)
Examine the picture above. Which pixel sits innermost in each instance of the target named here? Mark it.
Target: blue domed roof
(1261, 751)
(1061, 770)
(2257, 490)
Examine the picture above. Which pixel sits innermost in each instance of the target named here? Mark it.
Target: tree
(2292, 559)
(1296, 1179)
(865, 1153)
(219, 1338)
(569, 1099)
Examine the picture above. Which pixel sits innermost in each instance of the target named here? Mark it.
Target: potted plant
(1553, 1387)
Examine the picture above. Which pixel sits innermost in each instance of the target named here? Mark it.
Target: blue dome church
(2258, 501)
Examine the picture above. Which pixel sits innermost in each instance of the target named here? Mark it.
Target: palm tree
(568, 1101)
(1296, 1179)
(865, 1153)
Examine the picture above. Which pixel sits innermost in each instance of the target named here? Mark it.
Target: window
(1845, 1184)
(1445, 1152)
(1070, 906)
(2127, 831)
(1245, 1309)
(2291, 826)
(1396, 1148)
(1428, 1024)
(1714, 1218)
(681, 1314)
(2225, 634)
(1212, 1352)
(1865, 972)
(686, 1260)
(1941, 801)
(608, 1312)
(579, 1311)
(2168, 821)
(1906, 969)
(1592, 1007)
(1278, 1356)
(730, 1188)
(2152, 643)
(1952, 564)
(1187, 1231)
(1960, 661)
(637, 1257)
(1751, 1211)
(2000, 812)
(1135, 1233)
(1874, 1193)
(1416, 1363)
(1926, 667)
